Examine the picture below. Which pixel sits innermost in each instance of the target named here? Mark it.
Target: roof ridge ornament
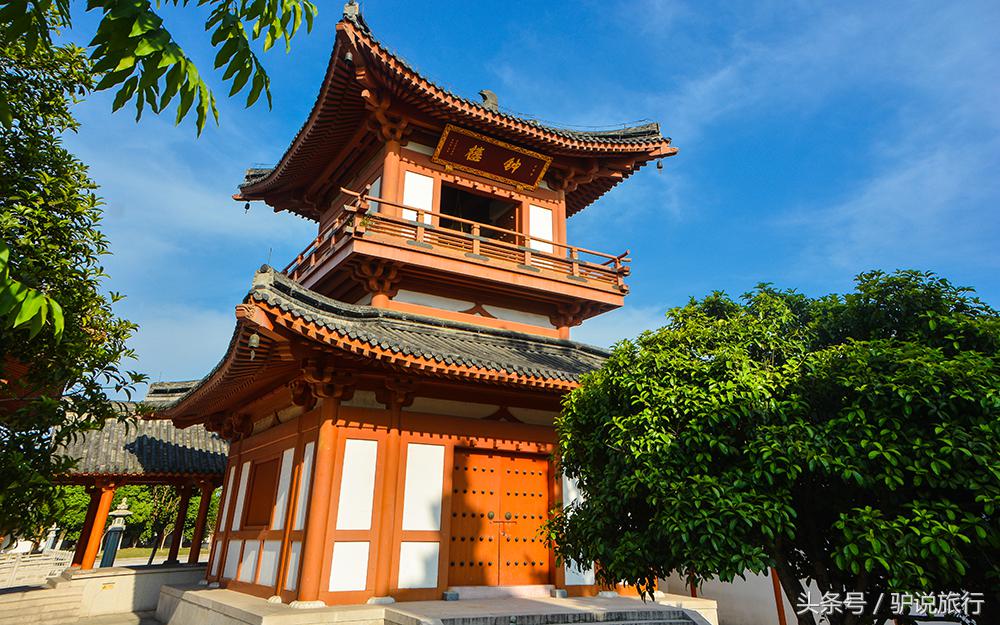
(490, 101)
(352, 10)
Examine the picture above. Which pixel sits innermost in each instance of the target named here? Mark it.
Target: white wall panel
(232, 558)
(357, 485)
(305, 482)
(269, 562)
(349, 567)
(570, 491)
(230, 485)
(576, 576)
(216, 556)
(249, 564)
(292, 567)
(540, 225)
(240, 495)
(422, 490)
(284, 484)
(418, 192)
(418, 565)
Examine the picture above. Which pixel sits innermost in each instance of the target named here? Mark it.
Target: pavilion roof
(340, 108)
(147, 451)
(282, 310)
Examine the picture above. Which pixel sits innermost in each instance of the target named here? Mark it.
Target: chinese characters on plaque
(491, 158)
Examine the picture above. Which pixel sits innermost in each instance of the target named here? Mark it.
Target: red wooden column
(390, 178)
(332, 388)
(206, 488)
(178, 533)
(106, 492)
(400, 393)
(778, 603)
(88, 524)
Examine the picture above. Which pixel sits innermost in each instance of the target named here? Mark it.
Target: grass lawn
(143, 552)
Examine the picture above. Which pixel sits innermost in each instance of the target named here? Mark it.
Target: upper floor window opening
(484, 209)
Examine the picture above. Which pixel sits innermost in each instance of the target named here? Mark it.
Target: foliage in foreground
(853, 441)
(49, 219)
(134, 52)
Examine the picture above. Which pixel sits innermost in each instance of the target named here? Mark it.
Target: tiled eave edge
(422, 364)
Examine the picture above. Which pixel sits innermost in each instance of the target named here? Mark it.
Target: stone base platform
(181, 605)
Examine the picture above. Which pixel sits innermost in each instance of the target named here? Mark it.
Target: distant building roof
(148, 451)
(161, 393)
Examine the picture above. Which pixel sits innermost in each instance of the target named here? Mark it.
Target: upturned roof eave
(359, 40)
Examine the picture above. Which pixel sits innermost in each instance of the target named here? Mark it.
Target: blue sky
(817, 140)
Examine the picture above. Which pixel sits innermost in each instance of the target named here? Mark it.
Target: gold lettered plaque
(491, 158)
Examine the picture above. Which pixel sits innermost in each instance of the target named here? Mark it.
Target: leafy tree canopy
(50, 272)
(133, 51)
(52, 386)
(852, 441)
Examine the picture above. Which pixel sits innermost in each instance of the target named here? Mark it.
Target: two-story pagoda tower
(390, 394)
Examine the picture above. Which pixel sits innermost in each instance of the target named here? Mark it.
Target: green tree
(132, 51)
(192, 514)
(52, 386)
(852, 441)
(72, 513)
(50, 243)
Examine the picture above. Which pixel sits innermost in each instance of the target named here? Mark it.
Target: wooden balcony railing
(471, 239)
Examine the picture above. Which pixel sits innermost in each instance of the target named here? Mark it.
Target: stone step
(502, 592)
(40, 606)
(130, 618)
(49, 616)
(609, 617)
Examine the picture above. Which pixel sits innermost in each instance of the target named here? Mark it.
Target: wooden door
(524, 505)
(499, 502)
(472, 559)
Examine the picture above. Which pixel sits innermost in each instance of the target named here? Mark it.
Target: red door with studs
(499, 503)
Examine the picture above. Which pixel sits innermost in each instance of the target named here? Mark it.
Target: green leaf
(31, 306)
(6, 117)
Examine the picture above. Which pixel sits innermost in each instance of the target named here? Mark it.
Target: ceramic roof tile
(148, 447)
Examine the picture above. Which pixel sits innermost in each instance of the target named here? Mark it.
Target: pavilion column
(206, 489)
(325, 383)
(390, 177)
(779, 603)
(178, 533)
(88, 524)
(400, 394)
(105, 493)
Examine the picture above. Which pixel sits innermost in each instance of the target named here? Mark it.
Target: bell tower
(432, 204)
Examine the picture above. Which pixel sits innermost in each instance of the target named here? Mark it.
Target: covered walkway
(146, 452)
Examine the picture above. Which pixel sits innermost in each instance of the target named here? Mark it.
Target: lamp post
(114, 536)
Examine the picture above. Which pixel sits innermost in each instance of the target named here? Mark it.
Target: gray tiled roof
(165, 393)
(643, 133)
(148, 447)
(436, 339)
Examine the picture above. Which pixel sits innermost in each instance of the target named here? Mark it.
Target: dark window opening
(260, 494)
(483, 209)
